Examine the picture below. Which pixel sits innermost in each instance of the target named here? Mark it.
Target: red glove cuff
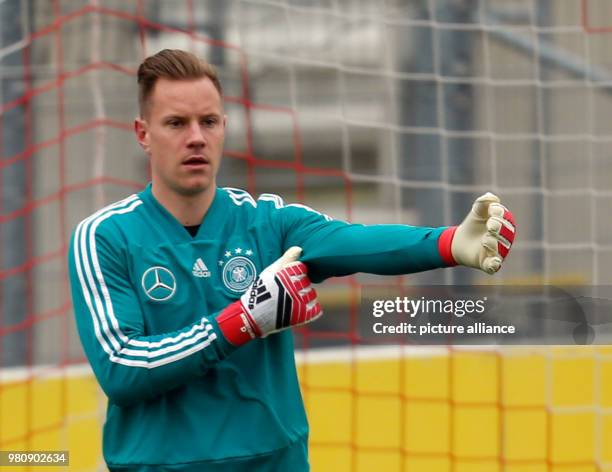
(236, 324)
(444, 246)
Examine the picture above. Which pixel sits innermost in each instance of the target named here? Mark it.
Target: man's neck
(188, 210)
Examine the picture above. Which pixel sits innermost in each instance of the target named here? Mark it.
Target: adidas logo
(259, 294)
(200, 269)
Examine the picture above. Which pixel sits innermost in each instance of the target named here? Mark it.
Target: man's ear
(142, 133)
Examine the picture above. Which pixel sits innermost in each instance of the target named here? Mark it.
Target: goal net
(398, 111)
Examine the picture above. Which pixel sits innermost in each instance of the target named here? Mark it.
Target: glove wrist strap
(444, 246)
(236, 324)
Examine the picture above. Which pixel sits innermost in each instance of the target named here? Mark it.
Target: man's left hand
(484, 239)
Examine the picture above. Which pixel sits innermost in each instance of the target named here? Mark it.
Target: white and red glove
(281, 297)
(484, 238)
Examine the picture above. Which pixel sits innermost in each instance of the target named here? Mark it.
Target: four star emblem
(237, 251)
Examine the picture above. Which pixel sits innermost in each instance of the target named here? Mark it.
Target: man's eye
(210, 122)
(174, 123)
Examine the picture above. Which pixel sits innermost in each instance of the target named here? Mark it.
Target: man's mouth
(196, 161)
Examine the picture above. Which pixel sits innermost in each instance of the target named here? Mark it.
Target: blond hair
(172, 64)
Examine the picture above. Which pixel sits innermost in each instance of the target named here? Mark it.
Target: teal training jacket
(146, 294)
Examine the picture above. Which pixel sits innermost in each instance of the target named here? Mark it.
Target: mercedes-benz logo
(158, 283)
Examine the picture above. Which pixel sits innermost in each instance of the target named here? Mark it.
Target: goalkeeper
(184, 292)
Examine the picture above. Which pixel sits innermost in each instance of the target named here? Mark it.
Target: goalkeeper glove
(484, 238)
(281, 297)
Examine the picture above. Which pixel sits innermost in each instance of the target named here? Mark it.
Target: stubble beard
(181, 186)
(192, 190)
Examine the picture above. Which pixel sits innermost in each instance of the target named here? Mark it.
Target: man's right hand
(281, 297)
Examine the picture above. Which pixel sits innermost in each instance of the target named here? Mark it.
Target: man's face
(182, 131)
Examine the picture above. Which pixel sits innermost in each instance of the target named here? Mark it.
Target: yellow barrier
(392, 409)
(52, 409)
(436, 410)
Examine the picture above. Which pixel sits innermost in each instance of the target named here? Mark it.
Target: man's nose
(196, 135)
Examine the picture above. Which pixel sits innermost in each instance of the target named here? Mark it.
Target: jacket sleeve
(129, 365)
(336, 248)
